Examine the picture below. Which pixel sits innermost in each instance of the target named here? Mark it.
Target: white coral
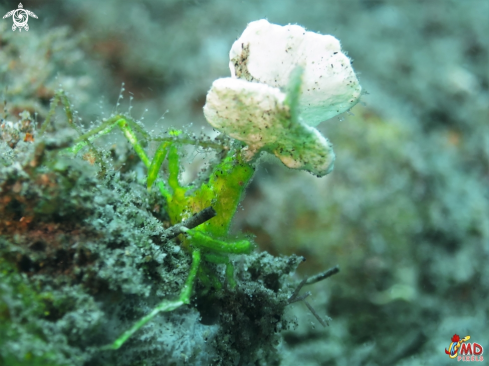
(251, 107)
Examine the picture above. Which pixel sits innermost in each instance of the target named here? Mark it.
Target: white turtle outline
(21, 11)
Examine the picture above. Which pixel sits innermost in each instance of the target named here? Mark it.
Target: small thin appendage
(158, 159)
(202, 240)
(223, 259)
(131, 136)
(187, 289)
(164, 306)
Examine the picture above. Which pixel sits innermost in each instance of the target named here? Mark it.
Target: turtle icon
(20, 17)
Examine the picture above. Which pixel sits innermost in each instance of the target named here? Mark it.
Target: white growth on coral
(268, 53)
(258, 115)
(251, 106)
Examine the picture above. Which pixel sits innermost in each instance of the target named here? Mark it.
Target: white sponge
(267, 53)
(258, 115)
(252, 106)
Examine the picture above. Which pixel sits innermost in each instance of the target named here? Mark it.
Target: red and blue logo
(462, 350)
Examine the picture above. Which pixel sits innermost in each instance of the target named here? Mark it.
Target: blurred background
(406, 211)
